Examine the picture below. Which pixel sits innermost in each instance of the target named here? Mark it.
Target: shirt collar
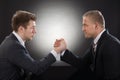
(98, 36)
(19, 38)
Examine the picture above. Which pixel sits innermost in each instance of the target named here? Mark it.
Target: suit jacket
(15, 60)
(105, 63)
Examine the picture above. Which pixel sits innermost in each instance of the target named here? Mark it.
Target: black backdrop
(109, 8)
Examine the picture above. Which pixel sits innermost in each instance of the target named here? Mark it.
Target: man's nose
(34, 31)
(83, 28)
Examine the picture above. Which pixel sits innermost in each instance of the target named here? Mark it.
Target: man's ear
(96, 25)
(21, 29)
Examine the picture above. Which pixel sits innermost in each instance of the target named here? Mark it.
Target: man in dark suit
(102, 60)
(15, 60)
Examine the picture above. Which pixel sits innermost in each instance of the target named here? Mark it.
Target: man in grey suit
(102, 60)
(15, 60)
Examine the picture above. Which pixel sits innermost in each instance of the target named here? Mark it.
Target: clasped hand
(60, 45)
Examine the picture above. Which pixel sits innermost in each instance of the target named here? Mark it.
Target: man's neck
(19, 38)
(98, 36)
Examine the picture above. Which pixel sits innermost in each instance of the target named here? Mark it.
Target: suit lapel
(100, 41)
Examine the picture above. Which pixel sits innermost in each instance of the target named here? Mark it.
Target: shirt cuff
(56, 55)
(63, 53)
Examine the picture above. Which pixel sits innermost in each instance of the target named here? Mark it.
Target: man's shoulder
(106, 36)
(110, 40)
(10, 42)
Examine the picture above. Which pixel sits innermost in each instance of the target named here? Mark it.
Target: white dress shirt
(97, 38)
(19, 39)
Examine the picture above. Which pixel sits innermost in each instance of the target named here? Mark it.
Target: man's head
(93, 23)
(23, 23)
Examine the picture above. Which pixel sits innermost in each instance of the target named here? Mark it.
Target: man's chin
(29, 39)
(87, 37)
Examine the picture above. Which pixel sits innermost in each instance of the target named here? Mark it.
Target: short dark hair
(22, 18)
(96, 15)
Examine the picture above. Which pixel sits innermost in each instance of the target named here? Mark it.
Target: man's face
(88, 27)
(30, 31)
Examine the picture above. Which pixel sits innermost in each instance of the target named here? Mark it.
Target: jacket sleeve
(20, 57)
(77, 61)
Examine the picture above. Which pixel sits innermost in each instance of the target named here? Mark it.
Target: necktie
(94, 47)
(92, 66)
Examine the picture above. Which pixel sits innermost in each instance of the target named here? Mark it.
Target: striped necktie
(94, 47)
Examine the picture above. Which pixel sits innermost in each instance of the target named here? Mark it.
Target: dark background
(109, 8)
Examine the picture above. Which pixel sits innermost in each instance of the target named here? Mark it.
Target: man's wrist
(56, 55)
